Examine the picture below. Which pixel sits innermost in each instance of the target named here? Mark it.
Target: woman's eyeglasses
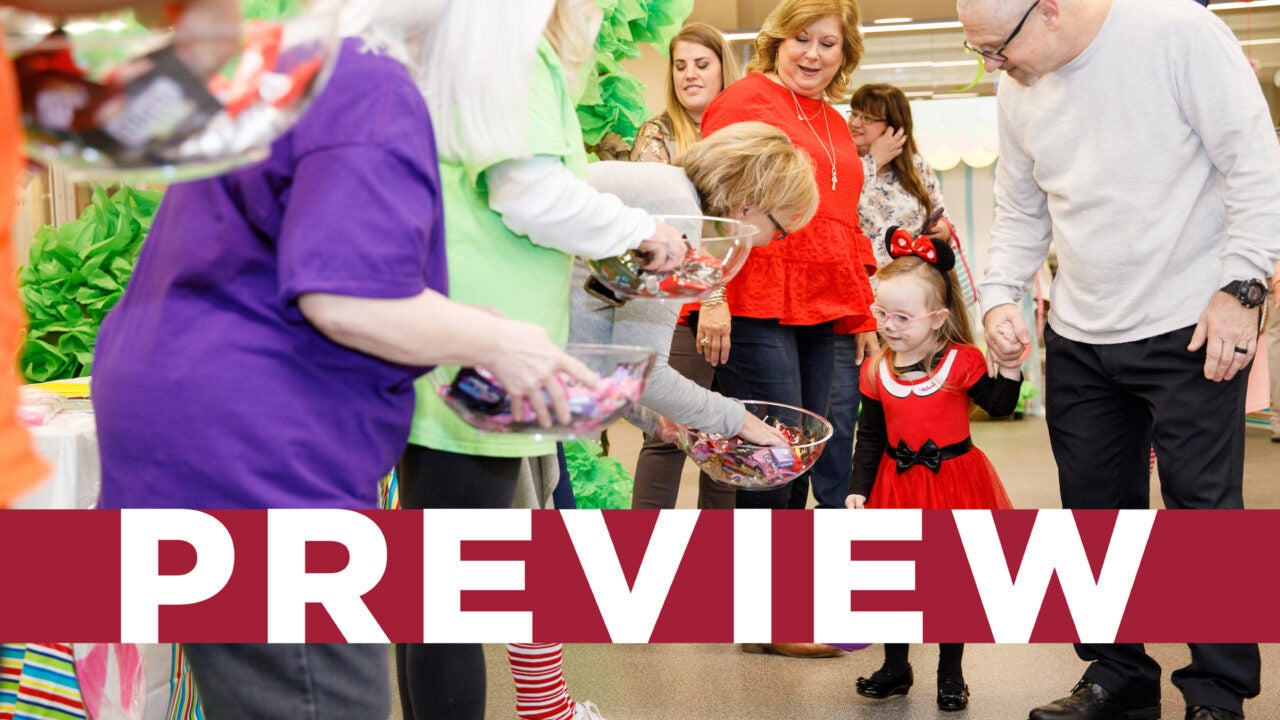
(779, 231)
(896, 319)
(864, 118)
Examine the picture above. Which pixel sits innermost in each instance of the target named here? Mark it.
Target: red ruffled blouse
(820, 272)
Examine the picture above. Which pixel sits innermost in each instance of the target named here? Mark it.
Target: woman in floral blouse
(900, 188)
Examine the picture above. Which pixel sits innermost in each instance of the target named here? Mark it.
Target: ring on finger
(1241, 351)
(704, 342)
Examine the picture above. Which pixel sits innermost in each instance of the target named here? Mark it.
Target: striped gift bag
(38, 682)
(184, 702)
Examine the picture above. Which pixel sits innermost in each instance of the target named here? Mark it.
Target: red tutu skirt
(968, 482)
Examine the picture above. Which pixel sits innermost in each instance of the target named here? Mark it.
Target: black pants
(448, 681)
(1107, 405)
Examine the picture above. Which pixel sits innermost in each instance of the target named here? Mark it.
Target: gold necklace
(831, 154)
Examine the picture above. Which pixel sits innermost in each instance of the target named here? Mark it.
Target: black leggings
(448, 681)
(949, 659)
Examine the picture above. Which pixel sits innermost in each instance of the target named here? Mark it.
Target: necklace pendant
(833, 178)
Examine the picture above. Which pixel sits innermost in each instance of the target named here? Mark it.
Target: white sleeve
(538, 197)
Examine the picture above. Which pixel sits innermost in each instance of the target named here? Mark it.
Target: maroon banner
(640, 576)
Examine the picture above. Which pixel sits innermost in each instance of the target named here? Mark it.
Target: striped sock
(541, 693)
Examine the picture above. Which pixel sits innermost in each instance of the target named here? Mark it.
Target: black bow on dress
(929, 455)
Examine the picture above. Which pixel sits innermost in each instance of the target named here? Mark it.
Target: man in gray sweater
(1134, 136)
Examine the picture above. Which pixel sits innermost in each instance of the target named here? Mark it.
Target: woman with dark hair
(900, 187)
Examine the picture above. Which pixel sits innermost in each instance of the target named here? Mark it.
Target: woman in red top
(787, 300)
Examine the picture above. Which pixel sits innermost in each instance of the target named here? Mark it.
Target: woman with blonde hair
(701, 64)
(786, 302)
(748, 172)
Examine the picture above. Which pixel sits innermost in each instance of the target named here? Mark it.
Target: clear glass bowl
(739, 464)
(107, 98)
(716, 250)
(482, 403)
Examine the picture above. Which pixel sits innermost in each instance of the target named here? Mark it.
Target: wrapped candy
(477, 397)
(154, 110)
(733, 461)
(697, 274)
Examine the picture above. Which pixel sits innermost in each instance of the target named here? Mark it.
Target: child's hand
(855, 502)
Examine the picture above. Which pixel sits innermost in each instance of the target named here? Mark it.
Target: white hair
(386, 26)
(474, 66)
(1008, 10)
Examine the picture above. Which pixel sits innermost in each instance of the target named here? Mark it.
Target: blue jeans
(830, 474)
(790, 364)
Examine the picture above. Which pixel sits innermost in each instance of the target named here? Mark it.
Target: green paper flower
(599, 481)
(612, 98)
(76, 273)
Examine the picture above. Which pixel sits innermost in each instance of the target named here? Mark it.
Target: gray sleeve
(650, 324)
(1021, 231)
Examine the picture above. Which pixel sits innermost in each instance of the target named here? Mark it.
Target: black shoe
(952, 695)
(883, 684)
(1091, 701)
(1201, 712)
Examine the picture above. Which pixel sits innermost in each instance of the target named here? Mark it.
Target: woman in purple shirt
(264, 353)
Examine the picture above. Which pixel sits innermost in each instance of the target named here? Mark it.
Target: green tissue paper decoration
(76, 273)
(612, 98)
(272, 9)
(599, 481)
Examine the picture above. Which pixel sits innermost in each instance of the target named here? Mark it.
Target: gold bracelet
(716, 297)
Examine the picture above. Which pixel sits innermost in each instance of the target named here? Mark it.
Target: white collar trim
(921, 389)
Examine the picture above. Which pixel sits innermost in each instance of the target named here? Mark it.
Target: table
(70, 443)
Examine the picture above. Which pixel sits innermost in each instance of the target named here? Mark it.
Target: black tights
(448, 681)
(949, 658)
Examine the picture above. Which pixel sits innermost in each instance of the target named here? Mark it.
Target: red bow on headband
(902, 245)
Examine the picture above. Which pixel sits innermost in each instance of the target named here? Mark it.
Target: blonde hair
(751, 163)
(939, 286)
(891, 103)
(791, 17)
(683, 127)
(572, 33)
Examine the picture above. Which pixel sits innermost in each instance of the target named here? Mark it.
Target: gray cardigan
(659, 189)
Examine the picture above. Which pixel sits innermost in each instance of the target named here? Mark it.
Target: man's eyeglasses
(998, 54)
(779, 231)
(866, 119)
(884, 318)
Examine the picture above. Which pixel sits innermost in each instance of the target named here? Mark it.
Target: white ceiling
(932, 62)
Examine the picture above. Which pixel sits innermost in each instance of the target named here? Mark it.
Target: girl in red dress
(913, 447)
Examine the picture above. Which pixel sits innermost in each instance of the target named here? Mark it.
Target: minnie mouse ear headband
(900, 243)
(937, 253)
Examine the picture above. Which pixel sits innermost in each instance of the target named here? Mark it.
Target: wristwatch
(1250, 293)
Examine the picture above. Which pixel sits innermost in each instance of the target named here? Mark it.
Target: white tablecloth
(70, 443)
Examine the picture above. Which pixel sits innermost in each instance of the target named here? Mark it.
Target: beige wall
(651, 66)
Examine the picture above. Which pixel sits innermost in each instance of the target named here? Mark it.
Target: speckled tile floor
(718, 682)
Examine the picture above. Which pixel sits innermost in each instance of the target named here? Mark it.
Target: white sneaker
(586, 711)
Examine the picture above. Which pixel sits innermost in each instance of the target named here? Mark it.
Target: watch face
(1253, 293)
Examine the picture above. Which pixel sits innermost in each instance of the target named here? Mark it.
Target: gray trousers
(292, 682)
